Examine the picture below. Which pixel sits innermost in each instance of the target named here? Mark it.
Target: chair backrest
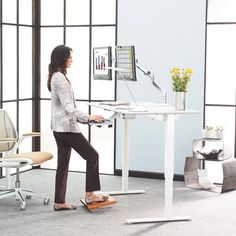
(7, 130)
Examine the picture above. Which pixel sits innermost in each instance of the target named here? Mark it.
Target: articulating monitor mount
(151, 76)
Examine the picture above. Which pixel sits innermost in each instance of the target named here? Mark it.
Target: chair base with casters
(17, 161)
(9, 144)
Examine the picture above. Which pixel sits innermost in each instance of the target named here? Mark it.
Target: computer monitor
(101, 61)
(125, 60)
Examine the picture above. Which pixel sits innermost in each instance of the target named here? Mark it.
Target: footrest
(96, 205)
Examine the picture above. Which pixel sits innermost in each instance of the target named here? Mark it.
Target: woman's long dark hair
(59, 56)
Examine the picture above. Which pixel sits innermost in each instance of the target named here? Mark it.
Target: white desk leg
(125, 156)
(125, 164)
(169, 175)
(169, 163)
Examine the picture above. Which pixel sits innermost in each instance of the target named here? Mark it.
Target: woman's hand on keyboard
(96, 118)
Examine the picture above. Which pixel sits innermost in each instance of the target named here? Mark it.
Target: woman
(64, 118)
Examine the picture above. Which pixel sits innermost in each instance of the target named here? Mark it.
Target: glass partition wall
(81, 25)
(30, 29)
(16, 64)
(220, 81)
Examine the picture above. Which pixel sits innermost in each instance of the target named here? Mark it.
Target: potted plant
(219, 132)
(213, 132)
(180, 79)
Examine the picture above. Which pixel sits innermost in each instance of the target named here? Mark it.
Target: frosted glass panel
(47, 140)
(25, 62)
(103, 11)
(52, 12)
(77, 12)
(50, 38)
(102, 36)
(102, 140)
(25, 12)
(9, 62)
(25, 124)
(9, 11)
(225, 117)
(78, 40)
(220, 73)
(221, 10)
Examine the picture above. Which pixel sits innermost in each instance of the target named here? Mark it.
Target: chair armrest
(24, 136)
(31, 134)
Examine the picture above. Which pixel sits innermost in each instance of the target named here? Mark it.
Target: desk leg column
(169, 163)
(169, 174)
(125, 163)
(169, 121)
(125, 154)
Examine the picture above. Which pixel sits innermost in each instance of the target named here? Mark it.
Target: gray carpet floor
(212, 213)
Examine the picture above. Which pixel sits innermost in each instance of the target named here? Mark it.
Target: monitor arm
(151, 76)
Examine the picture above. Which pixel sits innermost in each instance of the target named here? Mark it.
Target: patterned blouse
(64, 115)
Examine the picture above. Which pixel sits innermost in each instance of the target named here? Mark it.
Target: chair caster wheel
(28, 196)
(46, 201)
(22, 207)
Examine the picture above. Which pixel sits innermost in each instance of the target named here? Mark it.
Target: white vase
(180, 101)
(203, 179)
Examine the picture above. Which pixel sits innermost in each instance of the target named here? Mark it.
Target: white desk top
(143, 108)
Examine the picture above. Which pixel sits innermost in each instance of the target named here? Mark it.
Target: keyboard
(97, 123)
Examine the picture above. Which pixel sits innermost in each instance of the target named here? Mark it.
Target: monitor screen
(101, 62)
(125, 60)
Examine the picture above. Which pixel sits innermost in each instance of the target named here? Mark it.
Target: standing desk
(168, 115)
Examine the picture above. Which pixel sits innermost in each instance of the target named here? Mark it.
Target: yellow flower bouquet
(180, 79)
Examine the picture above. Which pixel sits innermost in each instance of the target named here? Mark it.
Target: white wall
(166, 34)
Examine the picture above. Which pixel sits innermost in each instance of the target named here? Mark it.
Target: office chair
(9, 143)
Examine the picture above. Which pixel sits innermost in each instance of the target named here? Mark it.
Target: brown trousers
(65, 141)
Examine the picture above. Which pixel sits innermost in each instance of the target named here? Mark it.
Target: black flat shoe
(64, 208)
